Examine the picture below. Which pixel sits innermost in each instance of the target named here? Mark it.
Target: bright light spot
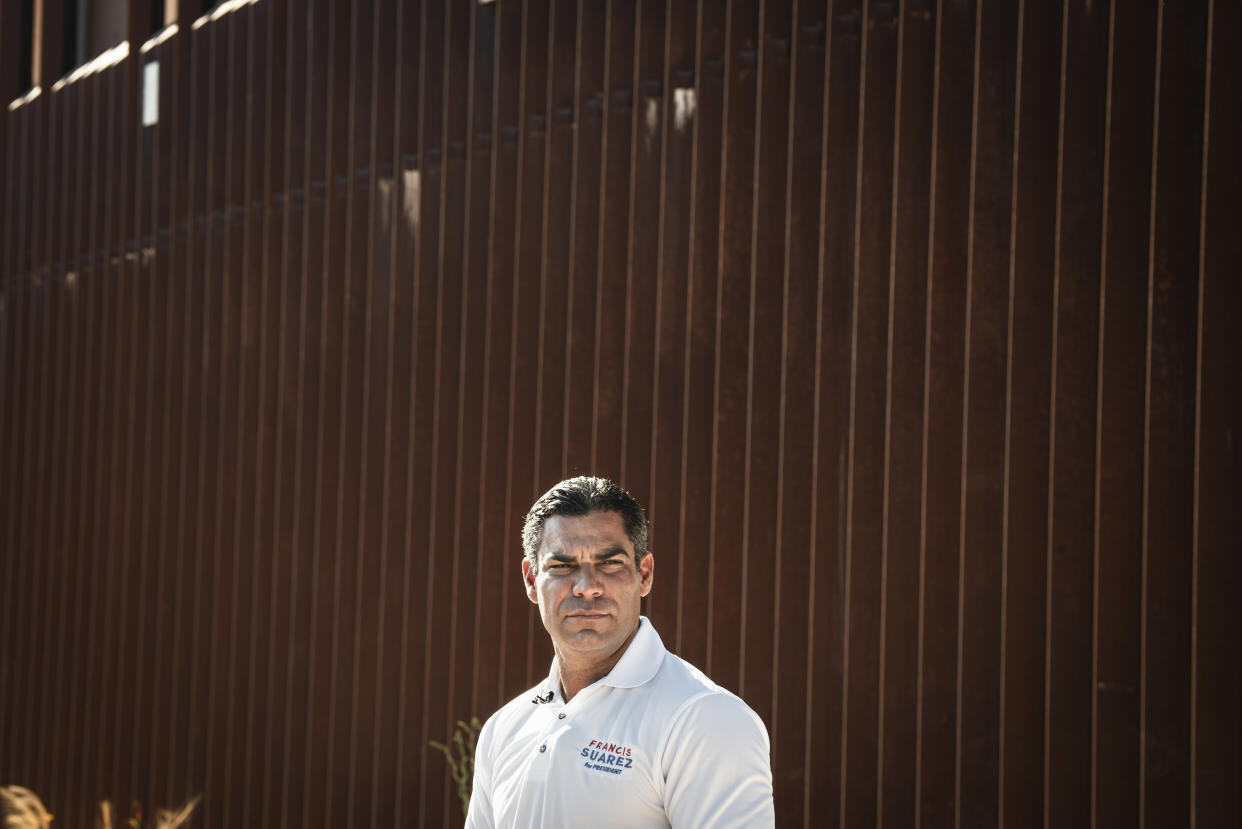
(653, 115)
(411, 197)
(163, 35)
(684, 101)
(100, 62)
(34, 92)
(385, 203)
(151, 93)
(220, 11)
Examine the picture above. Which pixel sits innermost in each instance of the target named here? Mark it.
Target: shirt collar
(637, 666)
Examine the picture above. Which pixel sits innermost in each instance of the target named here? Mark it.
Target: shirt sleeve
(717, 767)
(480, 813)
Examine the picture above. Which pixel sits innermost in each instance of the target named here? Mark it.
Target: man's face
(587, 585)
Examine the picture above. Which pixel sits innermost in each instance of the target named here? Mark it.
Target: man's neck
(578, 673)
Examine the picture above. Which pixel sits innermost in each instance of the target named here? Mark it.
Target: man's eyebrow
(612, 552)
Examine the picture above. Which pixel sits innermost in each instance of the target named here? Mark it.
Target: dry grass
(22, 809)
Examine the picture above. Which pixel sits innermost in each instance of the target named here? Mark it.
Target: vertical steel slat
(17, 462)
(838, 216)
(584, 237)
(473, 402)
(611, 299)
(1116, 775)
(428, 391)
(1171, 364)
(793, 633)
(151, 760)
(1217, 764)
(88, 236)
(296, 458)
(696, 541)
(42, 206)
(266, 203)
(365, 728)
(761, 553)
(70, 696)
(198, 364)
(349, 269)
(232, 590)
(378, 774)
(17, 711)
(410, 349)
(398, 449)
(70, 408)
(560, 111)
(27, 630)
(9, 320)
(642, 253)
(444, 680)
(110, 476)
(67, 640)
(205, 671)
(133, 564)
(669, 310)
(258, 331)
(280, 336)
(419, 140)
(497, 531)
(987, 335)
(906, 397)
(724, 659)
(475, 122)
(1028, 392)
(523, 370)
(223, 285)
(150, 335)
(183, 141)
(1072, 493)
(321, 341)
(868, 363)
(338, 310)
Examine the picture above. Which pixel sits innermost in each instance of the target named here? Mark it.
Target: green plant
(461, 762)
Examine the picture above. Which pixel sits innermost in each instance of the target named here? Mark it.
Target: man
(622, 732)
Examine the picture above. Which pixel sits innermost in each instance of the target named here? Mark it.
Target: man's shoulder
(689, 689)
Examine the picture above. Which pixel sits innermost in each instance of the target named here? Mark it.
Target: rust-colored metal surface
(914, 325)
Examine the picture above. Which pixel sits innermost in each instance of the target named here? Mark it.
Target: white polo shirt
(653, 743)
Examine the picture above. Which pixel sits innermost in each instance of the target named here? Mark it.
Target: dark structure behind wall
(915, 324)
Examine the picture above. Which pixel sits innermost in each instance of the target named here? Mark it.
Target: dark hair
(582, 496)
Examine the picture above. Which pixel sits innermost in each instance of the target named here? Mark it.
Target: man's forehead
(577, 533)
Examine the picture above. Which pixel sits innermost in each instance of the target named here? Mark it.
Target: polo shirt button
(561, 716)
(542, 749)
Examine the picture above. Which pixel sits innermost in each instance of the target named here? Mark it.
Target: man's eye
(559, 568)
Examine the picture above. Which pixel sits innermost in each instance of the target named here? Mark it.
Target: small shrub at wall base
(461, 757)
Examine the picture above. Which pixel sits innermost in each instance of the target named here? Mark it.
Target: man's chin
(582, 634)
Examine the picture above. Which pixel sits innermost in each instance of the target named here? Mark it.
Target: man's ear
(528, 579)
(646, 572)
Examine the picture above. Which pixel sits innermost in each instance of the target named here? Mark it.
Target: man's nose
(587, 582)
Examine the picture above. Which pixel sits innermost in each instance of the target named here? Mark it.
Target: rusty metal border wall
(915, 325)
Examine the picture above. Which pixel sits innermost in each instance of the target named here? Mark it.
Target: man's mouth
(587, 614)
